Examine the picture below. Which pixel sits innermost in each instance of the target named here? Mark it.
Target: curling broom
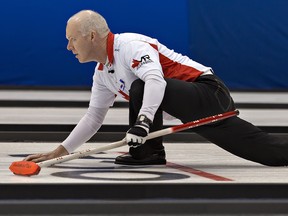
(28, 168)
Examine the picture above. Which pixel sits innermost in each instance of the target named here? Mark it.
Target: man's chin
(81, 60)
(84, 61)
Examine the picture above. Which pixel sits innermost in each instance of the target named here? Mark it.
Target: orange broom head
(25, 168)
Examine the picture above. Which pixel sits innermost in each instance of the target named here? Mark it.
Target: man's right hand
(137, 134)
(58, 152)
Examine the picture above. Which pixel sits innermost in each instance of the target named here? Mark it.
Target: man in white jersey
(156, 79)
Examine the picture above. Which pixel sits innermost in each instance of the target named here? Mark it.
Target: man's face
(78, 44)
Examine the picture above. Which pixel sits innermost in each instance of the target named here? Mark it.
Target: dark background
(244, 41)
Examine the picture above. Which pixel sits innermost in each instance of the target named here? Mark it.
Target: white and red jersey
(132, 56)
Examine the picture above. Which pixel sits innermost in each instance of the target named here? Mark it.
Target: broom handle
(151, 135)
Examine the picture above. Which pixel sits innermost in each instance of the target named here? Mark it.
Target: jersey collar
(109, 48)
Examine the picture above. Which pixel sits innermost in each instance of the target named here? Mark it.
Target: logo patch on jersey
(144, 60)
(122, 86)
(122, 89)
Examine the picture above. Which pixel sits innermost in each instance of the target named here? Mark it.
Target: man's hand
(59, 151)
(137, 134)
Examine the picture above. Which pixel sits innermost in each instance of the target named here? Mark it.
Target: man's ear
(92, 35)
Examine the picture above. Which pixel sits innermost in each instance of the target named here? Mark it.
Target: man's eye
(71, 39)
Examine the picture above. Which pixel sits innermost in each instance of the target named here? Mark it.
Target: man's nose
(69, 46)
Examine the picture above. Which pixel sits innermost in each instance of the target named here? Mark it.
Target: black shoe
(157, 158)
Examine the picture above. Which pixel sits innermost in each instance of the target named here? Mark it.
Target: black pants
(204, 97)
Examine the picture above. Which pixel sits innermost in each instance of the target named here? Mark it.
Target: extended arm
(84, 130)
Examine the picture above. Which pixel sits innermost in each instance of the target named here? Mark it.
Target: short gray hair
(91, 21)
